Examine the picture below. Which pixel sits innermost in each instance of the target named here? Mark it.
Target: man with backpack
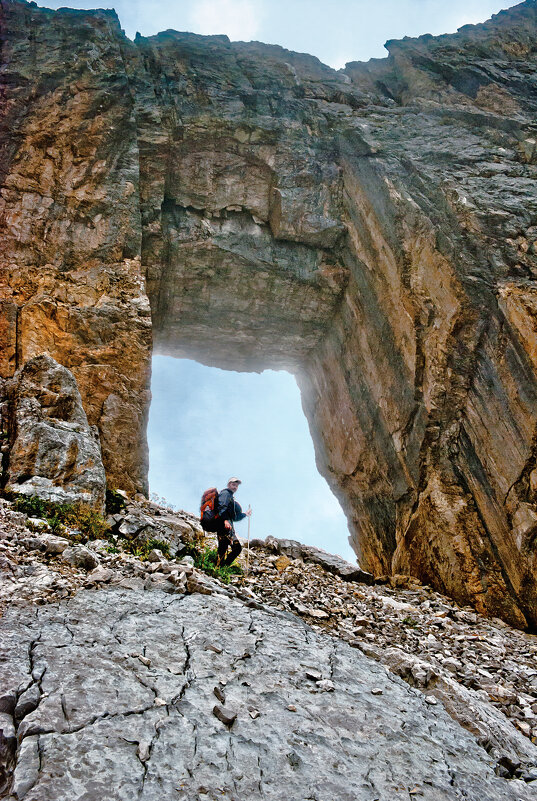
(218, 515)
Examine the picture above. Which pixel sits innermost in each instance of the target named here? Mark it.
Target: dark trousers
(225, 540)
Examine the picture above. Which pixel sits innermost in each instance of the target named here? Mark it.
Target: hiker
(228, 511)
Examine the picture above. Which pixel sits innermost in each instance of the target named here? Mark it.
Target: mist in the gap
(206, 425)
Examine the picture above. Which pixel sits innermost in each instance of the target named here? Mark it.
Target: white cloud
(467, 19)
(239, 19)
(338, 62)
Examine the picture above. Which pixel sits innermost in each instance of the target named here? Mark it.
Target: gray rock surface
(156, 524)
(483, 671)
(126, 684)
(52, 544)
(54, 452)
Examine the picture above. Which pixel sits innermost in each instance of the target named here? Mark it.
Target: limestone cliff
(371, 229)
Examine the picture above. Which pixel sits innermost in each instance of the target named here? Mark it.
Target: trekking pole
(248, 548)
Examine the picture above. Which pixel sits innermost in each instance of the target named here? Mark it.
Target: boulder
(53, 544)
(54, 453)
(101, 575)
(80, 556)
(132, 524)
(335, 564)
(330, 562)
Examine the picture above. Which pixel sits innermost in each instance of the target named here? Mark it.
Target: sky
(208, 424)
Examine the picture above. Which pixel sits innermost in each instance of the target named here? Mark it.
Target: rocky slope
(200, 689)
(371, 229)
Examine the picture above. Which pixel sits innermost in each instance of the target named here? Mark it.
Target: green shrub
(115, 502)
(31, 506)
(88, 524)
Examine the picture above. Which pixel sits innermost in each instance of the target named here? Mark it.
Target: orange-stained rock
(70, 274)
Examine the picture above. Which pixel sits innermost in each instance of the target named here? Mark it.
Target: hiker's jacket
(228, 508)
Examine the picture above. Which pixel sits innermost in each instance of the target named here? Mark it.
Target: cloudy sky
(208, 424)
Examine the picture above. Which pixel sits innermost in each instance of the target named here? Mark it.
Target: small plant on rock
(206, 560)
(160, 545)
(85, 522)
(142, 551)
(115, 502)
(37, 528)
(56, 524)
(90, 524)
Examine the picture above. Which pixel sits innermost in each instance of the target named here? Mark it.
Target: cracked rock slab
(110, 725)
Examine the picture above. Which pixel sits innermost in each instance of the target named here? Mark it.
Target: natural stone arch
(352, 226)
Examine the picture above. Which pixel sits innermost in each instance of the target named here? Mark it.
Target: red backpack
(209, 506)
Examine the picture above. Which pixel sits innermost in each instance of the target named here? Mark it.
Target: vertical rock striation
(372, 230)
(72, 282)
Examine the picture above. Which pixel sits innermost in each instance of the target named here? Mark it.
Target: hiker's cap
(234, 480)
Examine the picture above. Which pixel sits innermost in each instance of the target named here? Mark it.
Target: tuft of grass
(88, 524)
(409, 621)
(141, 552)
(206, 560)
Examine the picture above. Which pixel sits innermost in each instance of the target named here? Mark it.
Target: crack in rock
(348, 743)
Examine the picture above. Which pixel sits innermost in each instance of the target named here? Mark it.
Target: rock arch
(371, 229)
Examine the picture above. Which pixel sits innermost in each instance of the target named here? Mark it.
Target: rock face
(53, 451)
(141, 672)
(72, 281)
(371, 229)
